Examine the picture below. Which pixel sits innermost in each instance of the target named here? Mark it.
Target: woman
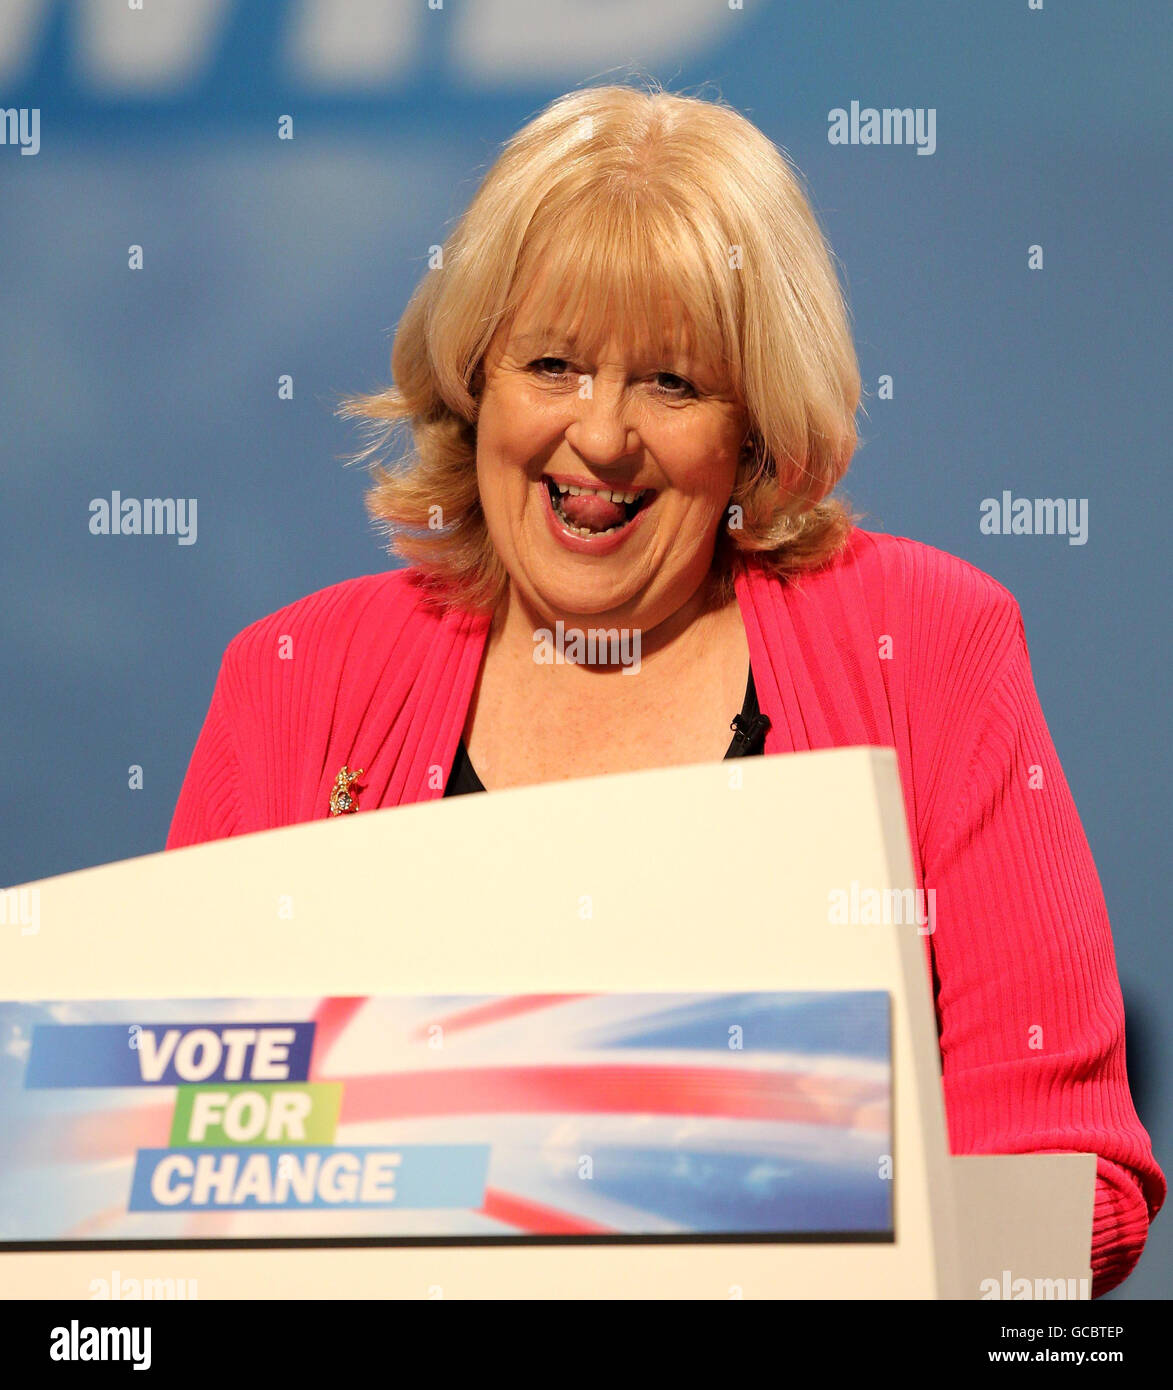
(631, 389)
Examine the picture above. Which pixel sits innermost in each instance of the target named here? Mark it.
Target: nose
(601, 432)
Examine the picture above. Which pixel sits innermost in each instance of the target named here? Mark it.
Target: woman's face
(625, 420)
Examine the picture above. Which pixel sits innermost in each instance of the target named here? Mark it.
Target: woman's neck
(684, 635)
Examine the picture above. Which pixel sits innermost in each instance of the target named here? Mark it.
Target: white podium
(715, 878)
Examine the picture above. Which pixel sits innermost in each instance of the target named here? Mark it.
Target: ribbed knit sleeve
(1029, 1004)
(209, 800)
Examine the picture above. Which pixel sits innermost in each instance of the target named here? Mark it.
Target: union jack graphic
(606, 1116)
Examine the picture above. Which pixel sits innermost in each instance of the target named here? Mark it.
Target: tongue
(592, 511)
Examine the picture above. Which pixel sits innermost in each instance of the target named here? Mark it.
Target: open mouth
(595, 511)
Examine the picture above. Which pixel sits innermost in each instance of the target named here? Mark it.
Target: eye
(669, 384)
(549, 366)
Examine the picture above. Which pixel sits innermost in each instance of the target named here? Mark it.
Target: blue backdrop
(264, 257)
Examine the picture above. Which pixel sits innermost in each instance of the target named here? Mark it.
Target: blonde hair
(627, 201)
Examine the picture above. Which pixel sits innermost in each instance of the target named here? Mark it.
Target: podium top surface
(680, 878)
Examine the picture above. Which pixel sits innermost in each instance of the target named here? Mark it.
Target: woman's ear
(754, 462)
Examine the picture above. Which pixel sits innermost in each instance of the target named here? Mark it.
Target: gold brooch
(343, 799)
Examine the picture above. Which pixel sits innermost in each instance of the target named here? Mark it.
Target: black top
(749, 737)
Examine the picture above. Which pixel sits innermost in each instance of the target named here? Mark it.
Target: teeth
(609, 493)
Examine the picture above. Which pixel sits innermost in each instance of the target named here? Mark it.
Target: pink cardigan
(893, 643)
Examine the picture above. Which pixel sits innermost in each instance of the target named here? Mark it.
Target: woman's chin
(564, 590)
(565, 583)
(569, 601)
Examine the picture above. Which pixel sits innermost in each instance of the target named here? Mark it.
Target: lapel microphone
(748, 733)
